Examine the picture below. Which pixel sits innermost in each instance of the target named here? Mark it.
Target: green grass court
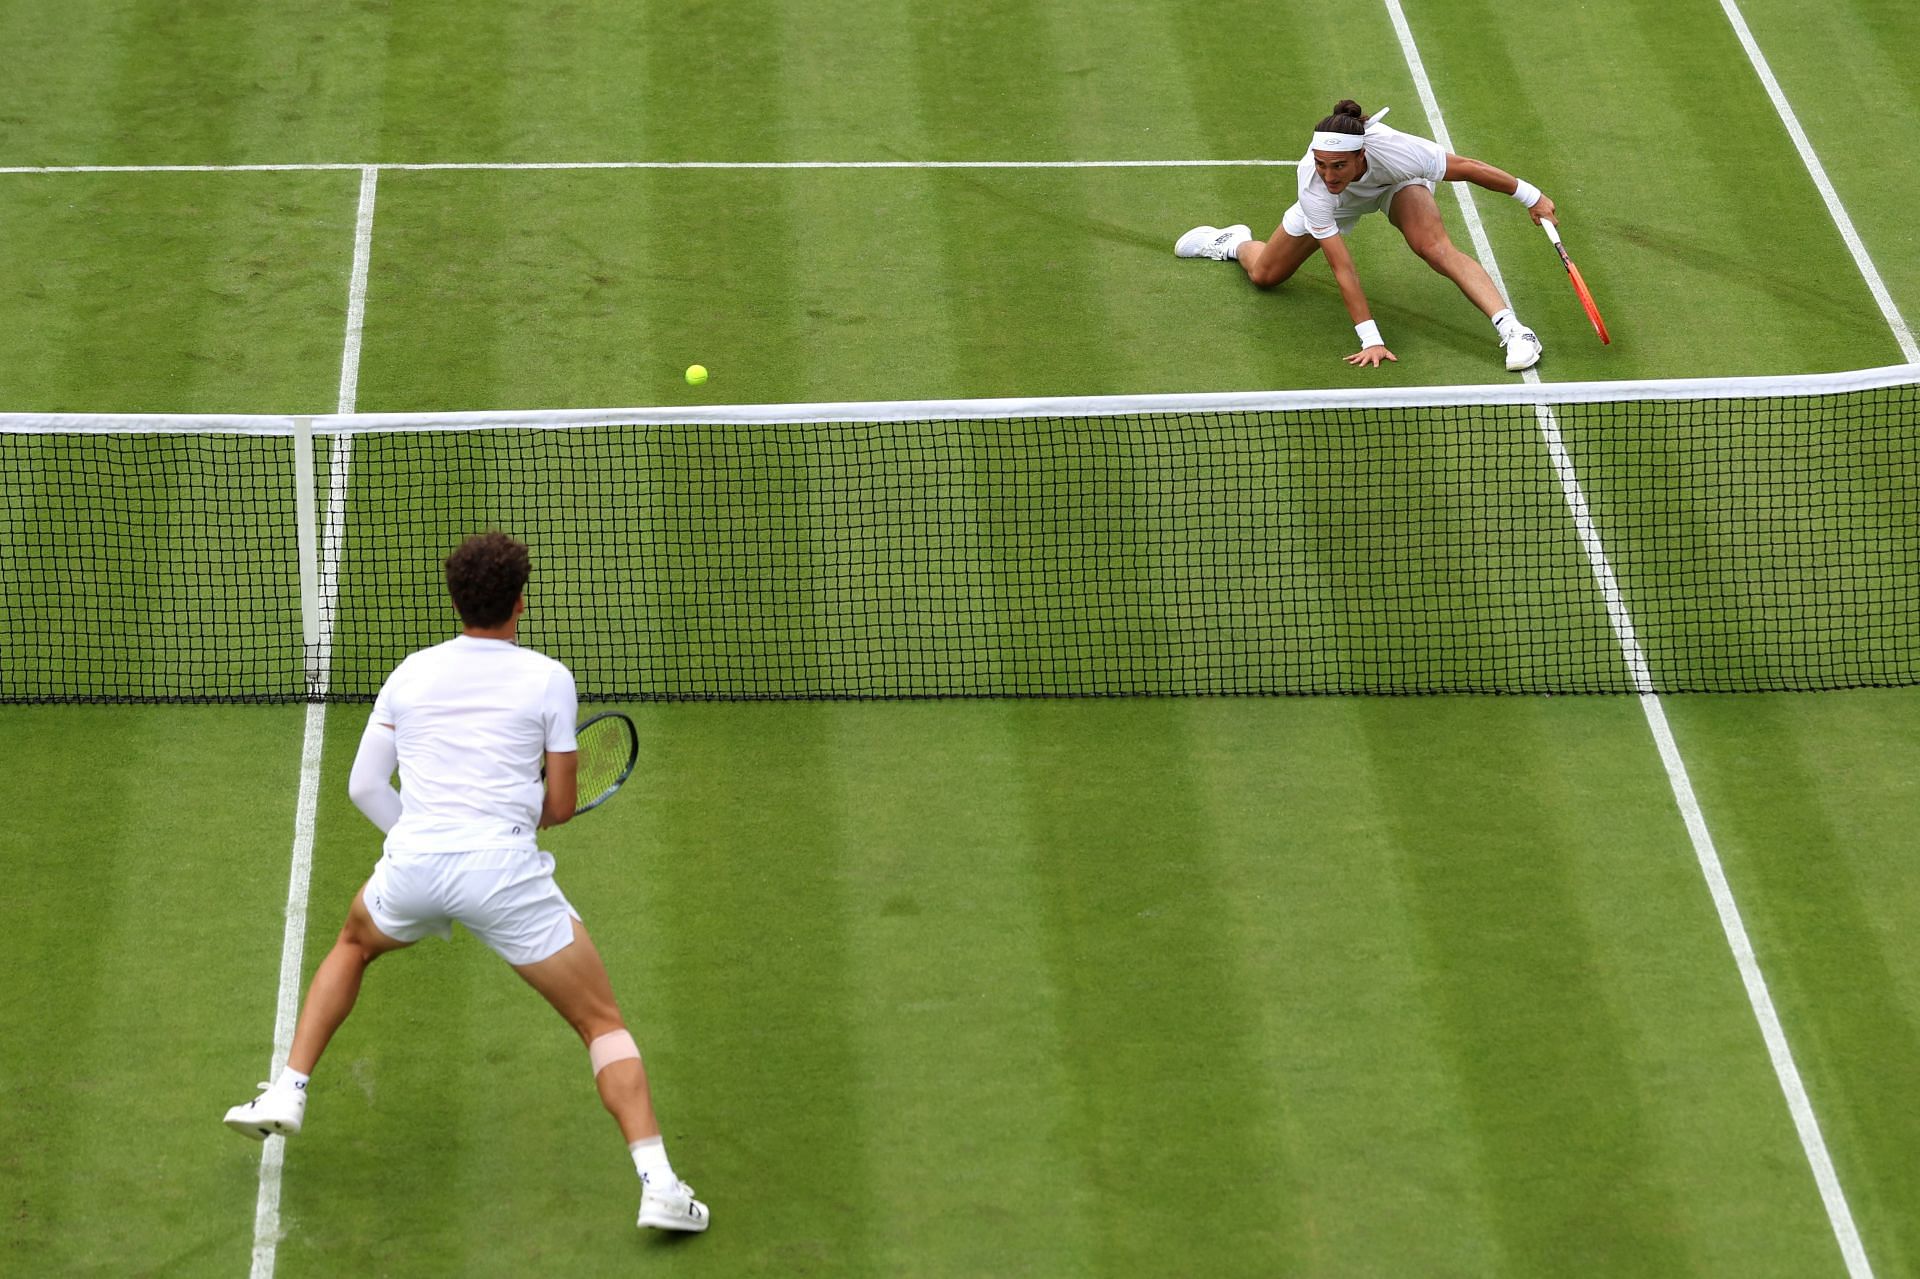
(1295, 986)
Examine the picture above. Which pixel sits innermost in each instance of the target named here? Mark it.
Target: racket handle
(1553, 232)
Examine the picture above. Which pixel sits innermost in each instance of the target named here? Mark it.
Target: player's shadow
(1841, 304)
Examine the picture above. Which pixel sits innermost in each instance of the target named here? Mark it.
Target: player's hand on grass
(1543, 211)
(1371, 357)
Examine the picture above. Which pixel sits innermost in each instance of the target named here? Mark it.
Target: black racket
(609, 747)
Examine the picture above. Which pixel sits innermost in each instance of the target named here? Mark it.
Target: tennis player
(468, 724)
(1357, 166)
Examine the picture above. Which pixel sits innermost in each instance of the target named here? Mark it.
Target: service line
(645, 164)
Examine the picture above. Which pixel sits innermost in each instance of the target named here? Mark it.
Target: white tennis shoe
(1523, 348)
(275, 1110)
(1218, 243)
(671, 1206)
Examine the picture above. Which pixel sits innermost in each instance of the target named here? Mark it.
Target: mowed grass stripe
(136, 987)
(1003, 245)
(450, 63)
(751, 929)
(432, 229)
(433, 324)
(1621, 1096)
(1862, 44)
(1172, 1134)
(52, 109)
(1719, 1136)
(1565, 1151)
(1341, 1003)
(122, 82)
(1818, 804)
(175, 292)
(726, 265)
(961, 1063)
(578, 80)
(159, 59)
(844, 91)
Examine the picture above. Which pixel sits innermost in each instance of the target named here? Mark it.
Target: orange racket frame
(1579, 285)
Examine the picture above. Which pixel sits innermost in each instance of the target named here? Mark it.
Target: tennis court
(1351, 985)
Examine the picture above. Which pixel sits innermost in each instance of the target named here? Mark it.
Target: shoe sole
(254, 1130)
(675, 1222)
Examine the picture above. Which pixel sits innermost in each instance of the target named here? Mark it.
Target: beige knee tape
(615, 1045)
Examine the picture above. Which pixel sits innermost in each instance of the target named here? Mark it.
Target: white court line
(649, 164)
(1799, 1105)
(1875, 285)
(273, 1153)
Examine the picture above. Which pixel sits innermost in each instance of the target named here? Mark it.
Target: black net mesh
(1763, 543)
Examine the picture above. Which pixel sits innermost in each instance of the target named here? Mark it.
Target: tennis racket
(1579, 285)
(609, 747)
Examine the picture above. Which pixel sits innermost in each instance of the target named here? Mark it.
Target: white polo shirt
(473, 720)
(1393, 160)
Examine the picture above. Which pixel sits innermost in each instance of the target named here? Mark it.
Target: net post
(307, 543)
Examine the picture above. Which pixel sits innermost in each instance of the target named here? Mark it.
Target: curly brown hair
(485, 576)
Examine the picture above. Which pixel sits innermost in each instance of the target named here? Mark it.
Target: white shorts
(1295, 222)
(508, 900)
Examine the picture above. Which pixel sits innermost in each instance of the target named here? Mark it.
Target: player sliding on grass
(1358, 166)
(469, 723)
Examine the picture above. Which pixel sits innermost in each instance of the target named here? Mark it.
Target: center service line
(273, 1153)
(1799, 1105)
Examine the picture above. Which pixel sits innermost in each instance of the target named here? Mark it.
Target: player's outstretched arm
(1372, 349)
(1461, 168)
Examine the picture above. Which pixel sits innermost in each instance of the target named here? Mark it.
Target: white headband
(1347, 141)
(1339, 142)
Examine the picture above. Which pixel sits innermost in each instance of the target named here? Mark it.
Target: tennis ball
(696, 374)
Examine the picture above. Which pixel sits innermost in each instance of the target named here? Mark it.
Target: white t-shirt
(473, 720)
(1393, 158)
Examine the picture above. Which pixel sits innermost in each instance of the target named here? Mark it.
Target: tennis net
(1740, 534)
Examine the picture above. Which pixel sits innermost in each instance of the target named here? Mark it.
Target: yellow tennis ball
(696, 374)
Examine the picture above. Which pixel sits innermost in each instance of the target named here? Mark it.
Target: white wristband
(1369, 334)
(1527, 193)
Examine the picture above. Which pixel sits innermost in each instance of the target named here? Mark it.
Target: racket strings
(607, 749)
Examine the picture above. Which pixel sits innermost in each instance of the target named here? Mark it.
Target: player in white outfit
(1358, 166)
(469, 725)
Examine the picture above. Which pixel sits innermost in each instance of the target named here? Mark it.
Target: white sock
(292, 1080)
(1504, 317)
(650, 1160)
